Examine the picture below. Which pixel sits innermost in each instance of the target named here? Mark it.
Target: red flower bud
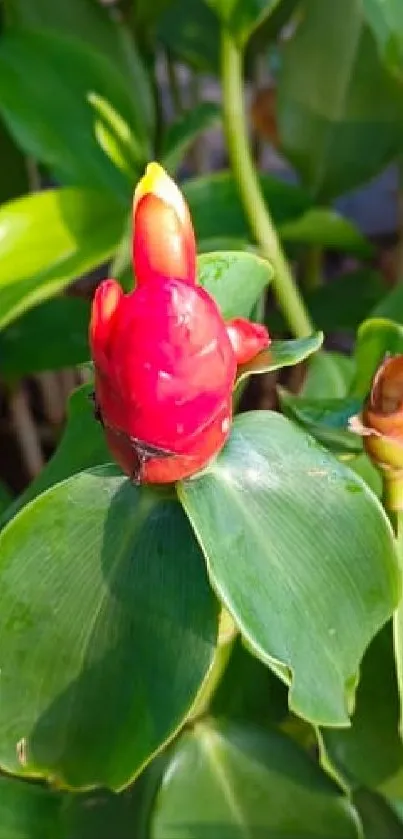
(165, 361)
(164, 243)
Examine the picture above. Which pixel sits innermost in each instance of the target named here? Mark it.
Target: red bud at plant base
(165, 360)
(381, 421)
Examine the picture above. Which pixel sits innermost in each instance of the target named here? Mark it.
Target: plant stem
(261, 223)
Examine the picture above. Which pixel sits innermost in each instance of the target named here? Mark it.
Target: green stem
(261, 223)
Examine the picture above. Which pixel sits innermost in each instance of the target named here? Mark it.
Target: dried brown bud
(381, 422)
(263, 115)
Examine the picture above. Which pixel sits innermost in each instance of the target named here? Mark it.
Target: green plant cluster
(222, 660)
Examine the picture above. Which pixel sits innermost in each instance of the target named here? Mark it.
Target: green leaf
(370, 753)
(283, 524)
(281, 354)
(32, 811)
(378, 818)
(182, 133)
(249, 691)
(328, 229)
(391, 305)
(48, 337)
(14, 174)
(189, 30)
(329, 376)
(386, 22)
(102, 585)
(217, 210)
(366, 470)
(115, 138)
(240, 782)
(224, 243)
(346, 301)
(49, 239)
(242, 17)
(376, 337)
(53, 120)
(28, 811)
(337, 104)
(326, 419)
(235, 280)
(146, 14)
(82, 446)
(83, 19)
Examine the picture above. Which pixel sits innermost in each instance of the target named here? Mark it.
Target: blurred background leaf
(339, 111)
(49, 239)
(66, 72)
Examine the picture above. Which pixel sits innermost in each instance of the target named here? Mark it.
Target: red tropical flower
(165, 360)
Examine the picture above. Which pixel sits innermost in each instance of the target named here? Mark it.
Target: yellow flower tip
(157, 181)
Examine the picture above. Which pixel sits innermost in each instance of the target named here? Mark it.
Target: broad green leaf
(337, 104)
(49, 239)
(189, 30)
(328, 229)
(224, 243)
(241, 782)
(28, 811)
(329, 376)
(102, 585)
(326, 419)
(50, 336)
(249, 691)
(281, 354)
(370, 753)
(377, 816)
(364, 467)
(235, 280)
(53, 120)
(346, 301)
(376, 337)
(14, 172)
(391, 305)
(217, 209)
(385, 18)
(181, 133)
(146, 14)
(242, 17)
(32, 811)
(82, 446)
(398, 649)
(84, 19)
(283, 524)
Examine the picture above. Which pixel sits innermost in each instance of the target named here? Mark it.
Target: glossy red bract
(165, 360)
